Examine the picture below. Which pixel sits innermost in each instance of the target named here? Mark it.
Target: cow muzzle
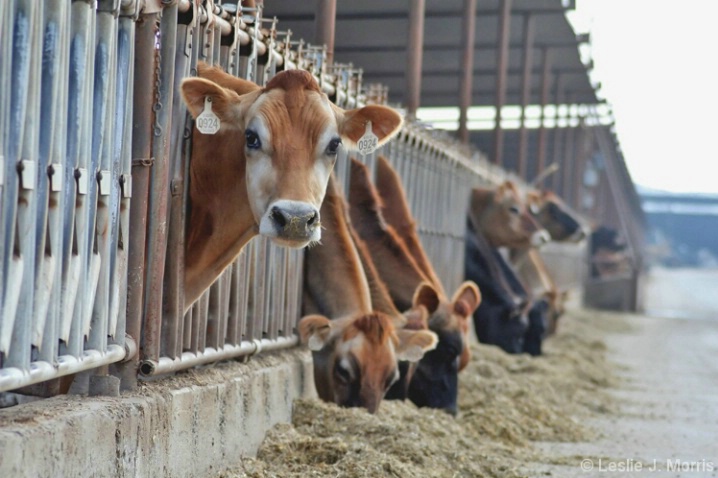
(291, 223)
(539, 238)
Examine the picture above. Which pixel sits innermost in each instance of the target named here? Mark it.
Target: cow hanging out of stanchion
(355, 347)
(433, 381)
(261, 159)
(508, 315)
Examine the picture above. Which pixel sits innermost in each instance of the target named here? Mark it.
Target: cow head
(501, 216)
(435, 381)
(286, 137)
(555, 217)
(358, 355)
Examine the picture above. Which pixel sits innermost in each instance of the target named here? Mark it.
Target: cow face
(287, 136)
(356, 358)
(435, 381)
(502, 217)
(555, 217)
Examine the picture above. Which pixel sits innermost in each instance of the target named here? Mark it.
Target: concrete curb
(195, 423)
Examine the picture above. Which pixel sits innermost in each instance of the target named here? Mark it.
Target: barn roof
(373, 34)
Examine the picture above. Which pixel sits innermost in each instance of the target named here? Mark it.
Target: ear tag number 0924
(207, 122)
(369, 142)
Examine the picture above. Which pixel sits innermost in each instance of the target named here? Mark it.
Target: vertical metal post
(527, 60)
(159, 184)
(52, 159)
(545, 85)
(502, 63)
(21, 181)
(324, 25)
(468, 29)
(558, 134)
(581, 158)
(144, 66)
(569, 154)
(79, 139)
(107, 176)
(415, 45)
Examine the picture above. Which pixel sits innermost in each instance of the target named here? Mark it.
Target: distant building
(684, 228)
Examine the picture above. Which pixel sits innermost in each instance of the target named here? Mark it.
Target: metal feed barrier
(94, 153)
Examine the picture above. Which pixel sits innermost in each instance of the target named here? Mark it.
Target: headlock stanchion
(95, 150)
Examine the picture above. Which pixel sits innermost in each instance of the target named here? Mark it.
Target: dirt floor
(614, 395)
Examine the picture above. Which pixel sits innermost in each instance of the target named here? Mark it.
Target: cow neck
(395, 265)
(397, 213)
(334, 274)
(220, 223)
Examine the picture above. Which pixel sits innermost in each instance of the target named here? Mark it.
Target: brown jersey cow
(355, 348)
(266, 167)
(434, 382)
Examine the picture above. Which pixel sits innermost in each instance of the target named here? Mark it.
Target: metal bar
(144, 66)
(468, 29)
(52, 156)
(557, 153)
(79, 131)
(569, 156)
(13, 378)
(7, 16)
(180, 147)
(414, 55)
(107, 191)
(545, 85)
(527, 64)
(324, 24)
(159, 184)
(209, 355)
(502, 62)
(27, 64)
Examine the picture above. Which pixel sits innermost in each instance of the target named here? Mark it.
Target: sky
(657, 61)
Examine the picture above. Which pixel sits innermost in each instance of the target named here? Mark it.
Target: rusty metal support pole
(414, 52)
(580, 165)
(158, 208)
(324, 25)
(527, 61)
(558, 136)
(468, 28)
(502, 62)
(569, 154)
(542, 134)
(145, 57)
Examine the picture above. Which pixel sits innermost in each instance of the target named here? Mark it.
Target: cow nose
(539, 238)
(295, 221)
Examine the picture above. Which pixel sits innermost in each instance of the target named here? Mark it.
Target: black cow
(507, 316)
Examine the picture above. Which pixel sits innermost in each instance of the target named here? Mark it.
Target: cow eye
(333, 146)
(514, 209)
(342, 374)
(252, 138)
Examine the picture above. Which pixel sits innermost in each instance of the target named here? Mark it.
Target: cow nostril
(312, 219)
(278, 217)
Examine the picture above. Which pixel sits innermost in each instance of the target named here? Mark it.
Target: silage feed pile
(505, 403)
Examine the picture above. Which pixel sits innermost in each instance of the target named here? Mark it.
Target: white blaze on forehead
(260, 171)
(353, 344)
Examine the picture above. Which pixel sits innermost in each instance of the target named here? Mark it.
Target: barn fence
(94, 152)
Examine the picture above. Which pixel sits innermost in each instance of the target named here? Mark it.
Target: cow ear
(466, 299)
(314, 330)
(224, 102)
(417, 318)
(413, 344)
(427, 296)
(385, 123)
(225, 80)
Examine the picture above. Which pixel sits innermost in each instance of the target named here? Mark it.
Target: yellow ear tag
(207, 122)
(369, 142)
